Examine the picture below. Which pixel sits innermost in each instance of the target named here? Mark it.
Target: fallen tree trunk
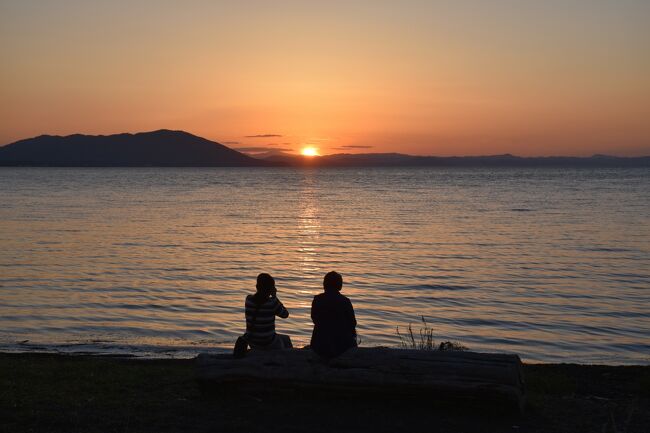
(438, 373)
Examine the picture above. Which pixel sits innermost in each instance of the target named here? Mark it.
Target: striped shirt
(260, 320)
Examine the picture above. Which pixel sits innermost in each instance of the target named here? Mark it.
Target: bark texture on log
(454, 373)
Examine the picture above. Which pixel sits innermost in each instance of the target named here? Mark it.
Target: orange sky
(429, 77)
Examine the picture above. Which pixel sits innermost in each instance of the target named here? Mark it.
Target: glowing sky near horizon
(565, 77)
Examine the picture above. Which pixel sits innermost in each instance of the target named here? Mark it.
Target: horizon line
(298, 155)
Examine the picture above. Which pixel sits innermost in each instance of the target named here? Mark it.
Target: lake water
(551, 264)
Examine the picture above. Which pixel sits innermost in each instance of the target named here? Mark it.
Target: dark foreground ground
(44, 393)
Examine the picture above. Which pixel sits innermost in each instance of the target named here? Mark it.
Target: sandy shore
(57, 393)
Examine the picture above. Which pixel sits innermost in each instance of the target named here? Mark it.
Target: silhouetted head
(333, 282)
(265, 286)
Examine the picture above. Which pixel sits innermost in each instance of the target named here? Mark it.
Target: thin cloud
(230, 142)
(352, 147)
(262, 136)
(255, 149)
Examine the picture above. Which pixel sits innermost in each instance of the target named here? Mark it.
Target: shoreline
(54, 392)
(180, 352)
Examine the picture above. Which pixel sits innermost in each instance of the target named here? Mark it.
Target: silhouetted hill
(507, 160)
(156, 148)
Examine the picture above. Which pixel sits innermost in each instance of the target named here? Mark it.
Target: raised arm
(280, 311)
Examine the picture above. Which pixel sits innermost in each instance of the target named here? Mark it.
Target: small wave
(236, 243)
(437, 287)
(607, 249)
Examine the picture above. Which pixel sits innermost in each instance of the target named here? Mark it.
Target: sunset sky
(567, 77)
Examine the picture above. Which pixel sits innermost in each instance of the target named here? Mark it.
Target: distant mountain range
(181, 149)
(507, 160)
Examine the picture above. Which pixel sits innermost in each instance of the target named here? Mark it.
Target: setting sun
(309, 151)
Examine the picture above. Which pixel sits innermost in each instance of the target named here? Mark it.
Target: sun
(309, 151)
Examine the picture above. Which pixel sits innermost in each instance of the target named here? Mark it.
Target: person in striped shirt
(261, 309)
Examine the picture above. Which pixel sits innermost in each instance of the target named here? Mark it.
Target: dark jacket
(334, 324)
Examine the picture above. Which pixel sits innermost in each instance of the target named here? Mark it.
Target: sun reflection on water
(309, 226)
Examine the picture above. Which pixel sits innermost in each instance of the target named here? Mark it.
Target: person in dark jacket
(334, 321)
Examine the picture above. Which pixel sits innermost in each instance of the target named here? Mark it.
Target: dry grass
(423, 339)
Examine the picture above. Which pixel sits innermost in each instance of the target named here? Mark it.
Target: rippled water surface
(551, 264)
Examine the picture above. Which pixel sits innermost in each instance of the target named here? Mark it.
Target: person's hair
(265, 287)
(333, 282)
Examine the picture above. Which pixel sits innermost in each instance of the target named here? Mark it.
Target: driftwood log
(440, 374)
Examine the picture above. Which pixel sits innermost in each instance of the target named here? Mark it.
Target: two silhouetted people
(332, 314)
(333, 317)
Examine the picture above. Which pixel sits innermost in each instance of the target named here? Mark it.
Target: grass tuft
(423, 339)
